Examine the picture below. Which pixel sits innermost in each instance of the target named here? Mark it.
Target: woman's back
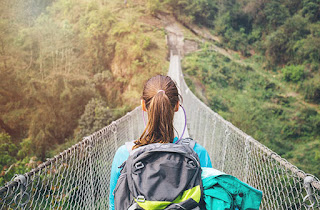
(123, 153)
(160, 99)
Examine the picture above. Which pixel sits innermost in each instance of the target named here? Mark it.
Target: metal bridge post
(205, 131)
(247, 153)
(130, 122)
(89, 149)
(198, 117)
(227, 133)
(114, 131)
(212, 141)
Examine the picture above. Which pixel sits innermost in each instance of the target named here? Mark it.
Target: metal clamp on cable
(23, 197)
(307, 185)
(21, 179)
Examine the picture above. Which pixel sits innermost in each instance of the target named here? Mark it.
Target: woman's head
(160, 98)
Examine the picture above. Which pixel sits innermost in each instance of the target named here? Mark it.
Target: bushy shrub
(311, 10)
(276, 47)
(304, 124)
(237, 40)
(96, 116)
(311, 91)
(216, 103)
(307, 156)
(190, 83)
(307, 50)
(7, 151)
(293, 73)
(154, 6)
(276, 14)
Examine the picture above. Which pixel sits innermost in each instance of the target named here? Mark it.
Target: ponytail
(161, 96)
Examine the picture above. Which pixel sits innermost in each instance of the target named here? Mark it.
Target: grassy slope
(259, 102)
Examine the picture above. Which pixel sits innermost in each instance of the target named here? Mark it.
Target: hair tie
(161, 91)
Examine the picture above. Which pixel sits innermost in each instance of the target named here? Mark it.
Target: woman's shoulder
(203, 156)
(199, 147)
(121, 155)
(122, 148)
(122, 151)
(200, 150)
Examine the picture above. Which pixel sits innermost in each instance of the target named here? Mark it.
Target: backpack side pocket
(122, 197)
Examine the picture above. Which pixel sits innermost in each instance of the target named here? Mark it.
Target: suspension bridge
(78, 178)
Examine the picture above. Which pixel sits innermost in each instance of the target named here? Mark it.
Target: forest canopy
(67, 69)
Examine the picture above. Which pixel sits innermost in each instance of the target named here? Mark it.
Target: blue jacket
(122, 155)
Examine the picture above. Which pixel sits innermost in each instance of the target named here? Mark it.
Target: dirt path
(179, 45)
(175, 36)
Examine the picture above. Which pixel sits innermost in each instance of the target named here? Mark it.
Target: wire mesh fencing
(78, 178)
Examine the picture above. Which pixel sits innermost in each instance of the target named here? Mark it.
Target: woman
(160, 99)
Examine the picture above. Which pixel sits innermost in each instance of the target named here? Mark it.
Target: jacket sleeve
(121, 155)
(203, 156)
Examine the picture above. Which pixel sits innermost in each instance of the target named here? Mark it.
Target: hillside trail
(178, 44)
(177, 41)
(175, 36)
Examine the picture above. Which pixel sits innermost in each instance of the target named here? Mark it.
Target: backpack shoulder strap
(188, 141)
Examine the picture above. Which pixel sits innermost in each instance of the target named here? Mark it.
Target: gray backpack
(160, 176)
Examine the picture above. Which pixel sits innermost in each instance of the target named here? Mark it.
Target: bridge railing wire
(78, 178)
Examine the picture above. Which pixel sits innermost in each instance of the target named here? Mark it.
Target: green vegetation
(285, 32)
(259, 105)
(293, 73)
(67, 69)
(187, 11)
(275, 95)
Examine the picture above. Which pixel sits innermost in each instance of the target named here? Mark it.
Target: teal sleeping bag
(222, 192)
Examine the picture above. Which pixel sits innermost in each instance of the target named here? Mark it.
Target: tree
(311, 10)
(58, 102)
(96, 116)
(7, 151)
(276, 47)
(276, 14)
